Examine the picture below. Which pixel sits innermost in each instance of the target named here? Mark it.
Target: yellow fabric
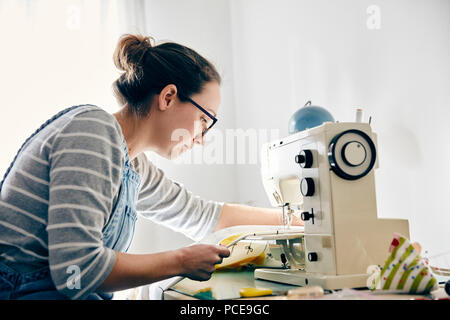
(243, 253)
(254, 292)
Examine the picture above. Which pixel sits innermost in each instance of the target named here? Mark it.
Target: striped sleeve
(85, 174)
(169, 203)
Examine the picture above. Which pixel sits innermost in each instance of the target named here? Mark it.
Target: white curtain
(54, 54)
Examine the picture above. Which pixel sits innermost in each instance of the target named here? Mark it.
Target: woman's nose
(199, 139)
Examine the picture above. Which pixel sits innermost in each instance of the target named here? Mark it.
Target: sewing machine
(326, 175)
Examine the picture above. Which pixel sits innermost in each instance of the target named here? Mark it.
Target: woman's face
(179, 125)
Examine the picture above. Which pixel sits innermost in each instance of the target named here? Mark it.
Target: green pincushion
(404, 270)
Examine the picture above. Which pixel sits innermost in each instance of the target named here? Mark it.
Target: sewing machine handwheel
(351, 154)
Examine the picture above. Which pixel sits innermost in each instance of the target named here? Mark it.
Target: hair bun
(129, 54)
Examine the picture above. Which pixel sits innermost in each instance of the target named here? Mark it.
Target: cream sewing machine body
(326, 175)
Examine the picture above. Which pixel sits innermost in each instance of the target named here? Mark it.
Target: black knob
(306, 215)
(299, 158)
(307, 187)
(283, 259)
(304, 158)
(312, 256)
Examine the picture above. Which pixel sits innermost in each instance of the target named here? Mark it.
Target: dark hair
(148, 69)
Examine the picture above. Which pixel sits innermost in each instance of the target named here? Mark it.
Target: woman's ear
(167, 97)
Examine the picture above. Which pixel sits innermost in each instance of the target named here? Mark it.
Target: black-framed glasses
(209, 122)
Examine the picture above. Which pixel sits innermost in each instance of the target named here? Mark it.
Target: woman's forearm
(239, 214)
(134, 270)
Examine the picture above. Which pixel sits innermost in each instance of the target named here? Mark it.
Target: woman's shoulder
(87, 127)
(92, 119)
(96, 114)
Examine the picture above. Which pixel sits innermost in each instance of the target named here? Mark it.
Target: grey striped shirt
(61, 191)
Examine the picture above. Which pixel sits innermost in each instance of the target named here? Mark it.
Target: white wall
(288, 52)
(54, 54)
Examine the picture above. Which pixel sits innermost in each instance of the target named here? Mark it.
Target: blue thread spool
(308, 117)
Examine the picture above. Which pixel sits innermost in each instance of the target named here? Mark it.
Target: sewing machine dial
(351, 154)
(304, 158)
(307, 187)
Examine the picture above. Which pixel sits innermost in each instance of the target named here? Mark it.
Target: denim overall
(117, 235)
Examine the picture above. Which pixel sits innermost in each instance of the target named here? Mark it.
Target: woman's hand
(198, 261)
(297, 221)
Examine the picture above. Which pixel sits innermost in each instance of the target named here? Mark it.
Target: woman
(69, 199)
